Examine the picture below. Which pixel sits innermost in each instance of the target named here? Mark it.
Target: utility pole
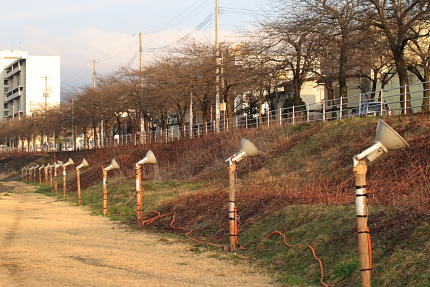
(73, 126)
(218, 70)
(191, 114)
(46, 93)
(140, 89)
(102, 118)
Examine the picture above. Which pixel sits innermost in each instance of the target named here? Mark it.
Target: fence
(385, 102)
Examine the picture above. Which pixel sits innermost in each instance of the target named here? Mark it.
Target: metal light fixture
(78, 178)
(46, 169)
(247, 148)
(69, 162)
(51, 173)
(113, 165)
(387, 139)
(40, 173)
(29, 173)
(24, 173)
(148, 159)
(35, 169)
(57, 165)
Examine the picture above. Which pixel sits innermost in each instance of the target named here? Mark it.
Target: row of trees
(328, 41)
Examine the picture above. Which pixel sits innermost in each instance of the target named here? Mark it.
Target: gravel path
(44, 242)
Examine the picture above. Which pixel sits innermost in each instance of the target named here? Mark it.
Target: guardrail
(385, 102)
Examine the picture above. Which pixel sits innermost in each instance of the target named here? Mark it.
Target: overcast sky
(107, 30)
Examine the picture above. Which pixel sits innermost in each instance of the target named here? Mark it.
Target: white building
(28, 83)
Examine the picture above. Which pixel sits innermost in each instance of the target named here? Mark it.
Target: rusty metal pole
(64, 182)
(139, 193)
(50, 174)
(231, 206)
(78, 179)
(46, 175)
(56, 178)
(105, 193)
(362, 227)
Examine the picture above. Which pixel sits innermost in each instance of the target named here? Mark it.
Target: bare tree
(397, 19)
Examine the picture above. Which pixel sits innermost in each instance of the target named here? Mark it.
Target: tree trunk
(426, 91)
(343, 89)
(403, 80)
(260, 105)
(95, 138)
(297, 88)
(374, 84)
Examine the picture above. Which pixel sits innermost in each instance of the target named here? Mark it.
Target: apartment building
(28, 83)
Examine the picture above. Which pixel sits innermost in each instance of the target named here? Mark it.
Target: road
(45, 242)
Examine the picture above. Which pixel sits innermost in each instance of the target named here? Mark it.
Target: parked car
(373, 109)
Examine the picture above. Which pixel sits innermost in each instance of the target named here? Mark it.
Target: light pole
(35, 170)
(46, 169)
(113, 165)
(24, 173)
(40, 173)
(69, 162)
(78, 179)
(28, 173)
(51, 169)
(148, 159)
(387, 139)
(57, 165)
(247, 148)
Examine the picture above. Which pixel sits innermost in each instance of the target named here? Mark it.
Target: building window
(6, 82)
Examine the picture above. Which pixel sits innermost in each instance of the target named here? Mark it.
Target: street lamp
(57, 165)
(24, 173)
(78, 178)
(69, 162)
(40, 173)
(46, 170)
(51, 169)
(247, 148)
(113, 165)
(148, 159)
(387, 139)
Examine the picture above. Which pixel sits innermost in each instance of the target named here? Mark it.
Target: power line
(116, 51)
(190, 11)
(200, 27)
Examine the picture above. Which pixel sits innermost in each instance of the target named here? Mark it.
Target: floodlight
(247, 148)
(113, 165)
(149, 158)
(83, 164)
(69, 162)
(387, 139)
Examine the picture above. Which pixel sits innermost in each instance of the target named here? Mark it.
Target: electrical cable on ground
(171, 224)
(268, 236)
(277, 232)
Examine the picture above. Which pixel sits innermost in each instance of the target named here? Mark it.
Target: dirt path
(44, 242)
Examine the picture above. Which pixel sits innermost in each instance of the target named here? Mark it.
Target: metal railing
(385, 102)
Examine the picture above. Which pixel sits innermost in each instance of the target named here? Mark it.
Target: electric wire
(200, 27)
(199, 6)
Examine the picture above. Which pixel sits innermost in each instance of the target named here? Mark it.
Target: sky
(80, 31)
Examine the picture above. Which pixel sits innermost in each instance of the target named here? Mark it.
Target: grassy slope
(302, 185)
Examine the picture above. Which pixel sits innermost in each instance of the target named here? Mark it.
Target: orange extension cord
(172, 221)
(301, 245)
(236, 231)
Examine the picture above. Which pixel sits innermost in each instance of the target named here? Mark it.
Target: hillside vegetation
(300, 184)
